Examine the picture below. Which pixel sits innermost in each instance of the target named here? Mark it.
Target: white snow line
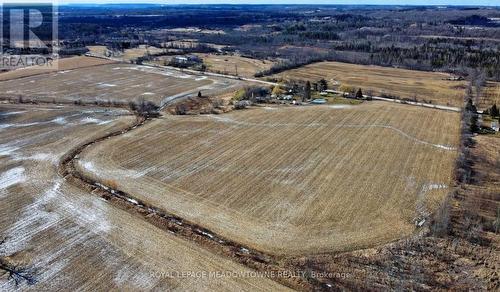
(90, 120)
(444, 147)
(233, 121)
(101, 85)
(12, 113)
(205, 233)
(132, 201)
(6, 150)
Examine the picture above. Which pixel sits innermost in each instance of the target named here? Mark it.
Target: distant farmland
(113, 82)
(231, 65)
(425, 86)
(290, 180)
(59, 65)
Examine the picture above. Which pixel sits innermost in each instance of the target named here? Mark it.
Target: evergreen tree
(307, 91)
(359, 94)
(323, 84)
(494, 111)
(474, 128)
(470, 106)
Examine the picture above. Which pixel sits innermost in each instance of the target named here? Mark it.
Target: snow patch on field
(90, 120)
(93, 216)
(421, 208)
(132, 201)
(163, 72)
(5, 126)
(12, 113)
(59, 121)
(104, 85)
(33, 220)
(12, 177)
(183, 76)
(6, 150)
(62, 121)
(444, 147)
(89, 166)
(19, 125)
(42, 157)
(17, 156)
(98, 170)
(106, 112)
(433, 186)
(37, 219)
(130, 276)
(224, 119)
(340, 106)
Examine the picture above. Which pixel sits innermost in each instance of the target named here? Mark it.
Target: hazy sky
(394, 2)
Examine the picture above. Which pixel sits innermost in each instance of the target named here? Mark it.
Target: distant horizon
(491, 3)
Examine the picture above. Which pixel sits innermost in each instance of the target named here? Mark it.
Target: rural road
(435, 106)
(192, 71)
(214, 74)
(428, 105)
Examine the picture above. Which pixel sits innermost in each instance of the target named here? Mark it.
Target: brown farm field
(141, 51)
(71, 239)
(227, 64)
(127, 55)
(425, 86)
(98, 50)
(491, 95)
(290, 180)
(114, 82)
(59, 65)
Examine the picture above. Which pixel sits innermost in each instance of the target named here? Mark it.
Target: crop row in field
(290, 180)
(70, 239)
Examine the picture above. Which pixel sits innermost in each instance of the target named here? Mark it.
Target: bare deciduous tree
(441, 223)
(16, 273)
(144, 108)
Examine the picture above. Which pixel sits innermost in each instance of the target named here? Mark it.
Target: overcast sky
(394, 2)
